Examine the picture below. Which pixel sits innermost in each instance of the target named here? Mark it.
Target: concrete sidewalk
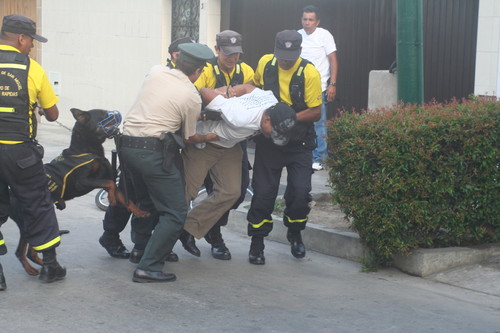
(320, 293)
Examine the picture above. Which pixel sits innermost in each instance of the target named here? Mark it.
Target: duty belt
(141, 143)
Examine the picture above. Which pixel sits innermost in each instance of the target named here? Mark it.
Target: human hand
(221, 91)
(331, 92)
(40, 110)
(211, 137)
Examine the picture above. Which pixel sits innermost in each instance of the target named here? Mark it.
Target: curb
(424, 262)
(347, 245)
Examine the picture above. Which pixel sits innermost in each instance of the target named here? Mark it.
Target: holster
(172, 142)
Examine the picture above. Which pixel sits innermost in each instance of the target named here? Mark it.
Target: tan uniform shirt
(167, 102)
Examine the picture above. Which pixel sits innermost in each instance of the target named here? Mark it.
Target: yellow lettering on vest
(10, 93)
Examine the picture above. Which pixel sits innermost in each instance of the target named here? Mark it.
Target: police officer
(116, 217)
(296, 82)
(167, 102)
(23, 83)
(225, 70)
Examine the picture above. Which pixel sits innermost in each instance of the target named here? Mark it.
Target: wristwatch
(333, 83)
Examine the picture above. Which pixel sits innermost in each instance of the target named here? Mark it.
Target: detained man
(251, 112)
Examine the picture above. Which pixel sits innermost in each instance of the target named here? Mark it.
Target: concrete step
(347, 245)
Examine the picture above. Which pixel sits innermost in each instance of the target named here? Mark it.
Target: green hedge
(418, 177)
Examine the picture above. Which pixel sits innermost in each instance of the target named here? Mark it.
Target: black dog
(80, 169)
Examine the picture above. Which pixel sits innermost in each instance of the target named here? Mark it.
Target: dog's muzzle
(111, 124)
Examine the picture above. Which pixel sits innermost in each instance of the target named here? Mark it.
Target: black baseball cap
(174, 46)
(283, 119)
(20, 24)
(229, 42)
(195, 53)
(288, 45)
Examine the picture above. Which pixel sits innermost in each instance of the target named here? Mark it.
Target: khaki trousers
(224, 167)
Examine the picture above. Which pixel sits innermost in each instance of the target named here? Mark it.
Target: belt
(142, 143)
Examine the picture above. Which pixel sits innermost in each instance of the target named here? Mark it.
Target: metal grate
(185, 19)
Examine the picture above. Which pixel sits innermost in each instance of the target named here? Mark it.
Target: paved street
(317, 294)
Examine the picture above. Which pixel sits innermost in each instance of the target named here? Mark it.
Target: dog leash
(64, 126)
(37, 108)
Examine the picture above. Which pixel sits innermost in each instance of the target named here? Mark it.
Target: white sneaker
(317, 166)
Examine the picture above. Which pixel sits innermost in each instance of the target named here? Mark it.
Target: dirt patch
(328, 215)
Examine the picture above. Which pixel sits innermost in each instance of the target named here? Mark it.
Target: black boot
(136, 255)
(219, 249)
(114, 246)
(51, 270)
(256, 254)
(189, 243)
(3, 285)
(172, 257)
(297, 246)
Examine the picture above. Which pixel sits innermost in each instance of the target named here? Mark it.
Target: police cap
(229, 42)
(195, 53)
(288, 45)
(174, 46)
(20, 24)
(283, 119)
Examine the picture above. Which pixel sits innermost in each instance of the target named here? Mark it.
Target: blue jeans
(320, 154)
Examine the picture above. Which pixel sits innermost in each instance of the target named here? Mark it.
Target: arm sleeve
(39, 87)
(193, 109)
(312, 81)
(329, 43)
(248, 73)
(258, 78)
(206, 79)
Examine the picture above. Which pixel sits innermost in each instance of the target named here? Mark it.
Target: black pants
(117, 217)
(115, 220)
(268, 166)
(21, 170)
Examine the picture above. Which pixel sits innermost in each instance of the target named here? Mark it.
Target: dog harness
(60, 169)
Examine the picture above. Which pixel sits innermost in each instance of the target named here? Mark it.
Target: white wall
(210, 16)
(488, 49)
(101, 50)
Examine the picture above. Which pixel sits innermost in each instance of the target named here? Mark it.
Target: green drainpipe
(409, 52)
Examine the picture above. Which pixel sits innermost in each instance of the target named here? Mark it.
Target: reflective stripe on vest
(296, 87)
(17, 120)
(220, 78)
(271, 82)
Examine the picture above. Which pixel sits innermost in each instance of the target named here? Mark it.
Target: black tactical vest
(17, 121)
(302, 132)
(220, 79)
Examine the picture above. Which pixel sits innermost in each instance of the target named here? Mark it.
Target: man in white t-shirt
(254, 111)
(318, 46)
